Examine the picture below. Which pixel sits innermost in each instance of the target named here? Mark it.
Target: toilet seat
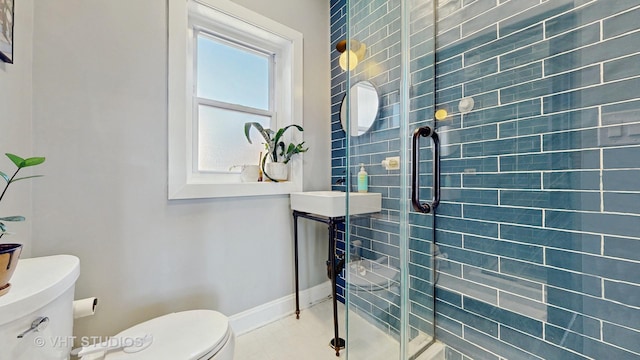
(188, 335)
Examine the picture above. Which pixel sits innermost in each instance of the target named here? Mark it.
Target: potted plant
(277, 151)
(9, 253)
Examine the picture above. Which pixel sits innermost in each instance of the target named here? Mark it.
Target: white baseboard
(277, 309)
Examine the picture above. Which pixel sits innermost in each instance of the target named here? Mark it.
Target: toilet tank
(41, 288)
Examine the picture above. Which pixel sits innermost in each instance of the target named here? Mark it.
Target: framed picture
(6, 30)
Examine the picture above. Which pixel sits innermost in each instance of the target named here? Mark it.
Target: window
(228, 66)
(233, 86)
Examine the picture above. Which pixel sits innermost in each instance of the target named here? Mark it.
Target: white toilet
(41, 297)
(189, 335)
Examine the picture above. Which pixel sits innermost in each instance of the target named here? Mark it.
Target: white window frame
(226, 18)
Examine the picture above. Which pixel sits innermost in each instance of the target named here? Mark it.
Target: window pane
(232, 74)
(221, 140)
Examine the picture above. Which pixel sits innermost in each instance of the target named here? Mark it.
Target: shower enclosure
(518, 123)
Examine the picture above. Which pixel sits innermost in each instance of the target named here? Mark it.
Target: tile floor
(308, 338)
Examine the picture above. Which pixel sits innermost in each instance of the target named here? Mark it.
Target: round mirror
(364, 104)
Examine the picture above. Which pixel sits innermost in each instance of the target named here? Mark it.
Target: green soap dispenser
(363, 180)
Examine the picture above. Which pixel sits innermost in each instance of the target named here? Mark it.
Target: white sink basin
(332, 203)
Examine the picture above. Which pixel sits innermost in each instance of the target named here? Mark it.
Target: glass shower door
(533, 247)
(389, 273)
(537, 107)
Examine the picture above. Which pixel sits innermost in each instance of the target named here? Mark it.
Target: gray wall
(100, 116)
(15, 122)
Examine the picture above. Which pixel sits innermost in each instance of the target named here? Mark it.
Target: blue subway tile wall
(538, 235)
(377, 24)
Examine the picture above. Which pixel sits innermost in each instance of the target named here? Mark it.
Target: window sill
(209, 190)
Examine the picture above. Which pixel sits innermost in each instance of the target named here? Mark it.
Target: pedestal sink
(329, 207)
(332, 203)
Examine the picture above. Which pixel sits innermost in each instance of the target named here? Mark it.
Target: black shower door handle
(427, 207)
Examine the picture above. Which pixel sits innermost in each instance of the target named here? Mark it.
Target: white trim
(262, 315)
(233, 107)
(183, 181)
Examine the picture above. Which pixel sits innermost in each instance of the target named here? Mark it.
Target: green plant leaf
(300, 148)
(280, 144)
(272, 139)
(292, 150)
(247, 129)
(33, 161)
(16, 159)
(261, 130)
(281, 131)
(12, 218)
(270, 144)
(26, 177)
(4, 176)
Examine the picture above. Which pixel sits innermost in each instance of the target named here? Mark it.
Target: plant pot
(277, 171)
(9, 255)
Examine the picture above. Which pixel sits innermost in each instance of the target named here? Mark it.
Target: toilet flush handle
(37, 325)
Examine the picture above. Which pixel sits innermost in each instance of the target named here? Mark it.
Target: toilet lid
(187, 335)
